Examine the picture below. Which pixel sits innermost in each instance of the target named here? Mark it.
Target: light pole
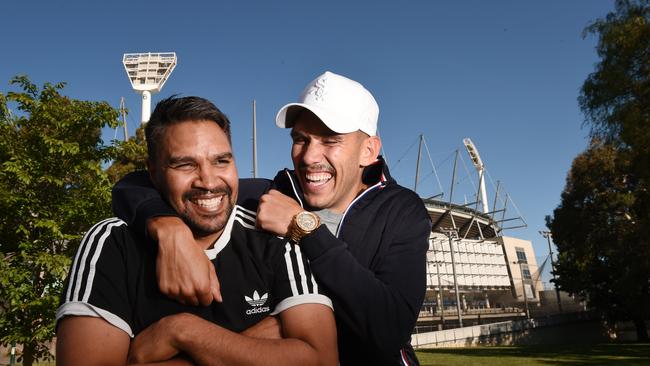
(547, 235)
(523, 287)
(147, 73)
(440, 295)
(453, 234)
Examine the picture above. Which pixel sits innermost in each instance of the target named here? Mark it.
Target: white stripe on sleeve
(95, 258)
(290, 274)
(79, 266)
(301, 269)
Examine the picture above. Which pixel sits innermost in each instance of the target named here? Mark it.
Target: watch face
(307, 221)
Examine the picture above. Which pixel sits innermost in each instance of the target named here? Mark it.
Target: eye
(331, 141)
(222, 161)
(299, 140)
(182, 166)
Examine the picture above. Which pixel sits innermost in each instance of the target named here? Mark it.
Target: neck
(342, 209)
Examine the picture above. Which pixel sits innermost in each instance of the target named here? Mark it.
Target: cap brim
(287, 116)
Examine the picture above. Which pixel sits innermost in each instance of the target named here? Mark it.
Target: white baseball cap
(342, 104)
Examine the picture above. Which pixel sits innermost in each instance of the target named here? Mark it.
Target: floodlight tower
(147, 73)
(480, 168)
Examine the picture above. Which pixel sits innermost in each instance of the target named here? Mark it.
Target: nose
(312, 153)
(207, 177)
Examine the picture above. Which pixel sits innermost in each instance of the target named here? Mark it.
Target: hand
(157, 342)
(268, 328)
(275, 212)
(183, 270)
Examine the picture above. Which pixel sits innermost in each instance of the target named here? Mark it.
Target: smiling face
(329, 165)
(195, 171)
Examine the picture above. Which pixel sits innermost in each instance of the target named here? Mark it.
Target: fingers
(215, 286)
(184, 295)
(204, 292)
(187, 290)
(184, 272)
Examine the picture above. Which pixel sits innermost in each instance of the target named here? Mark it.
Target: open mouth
(211, 204)
(318, 179)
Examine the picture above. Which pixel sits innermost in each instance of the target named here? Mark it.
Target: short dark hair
(175, 110)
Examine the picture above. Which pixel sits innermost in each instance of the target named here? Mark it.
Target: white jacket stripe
(95, 258)
(301, 269)
(75, 261)
(77, 272)
(290, 274)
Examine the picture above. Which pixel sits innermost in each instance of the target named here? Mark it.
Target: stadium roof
(470, 223)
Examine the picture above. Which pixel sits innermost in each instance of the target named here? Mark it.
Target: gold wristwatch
(302, 224)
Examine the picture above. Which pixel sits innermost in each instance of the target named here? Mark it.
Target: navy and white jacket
(373, 268)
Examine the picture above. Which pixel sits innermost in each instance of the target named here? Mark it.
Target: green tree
(615, 98)
(600, 257)
(52, 188)
(602, 226)
(130, 155)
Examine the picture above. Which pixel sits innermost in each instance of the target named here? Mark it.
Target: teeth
(210, 203)
(318, 177)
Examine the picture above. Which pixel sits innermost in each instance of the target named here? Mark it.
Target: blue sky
(507, 74)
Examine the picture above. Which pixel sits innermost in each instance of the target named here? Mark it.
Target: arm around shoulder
(136, 200)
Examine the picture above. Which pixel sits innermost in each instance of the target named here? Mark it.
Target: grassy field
(548, 355)
(617, 354)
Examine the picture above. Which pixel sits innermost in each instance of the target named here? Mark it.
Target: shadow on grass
(551, 354)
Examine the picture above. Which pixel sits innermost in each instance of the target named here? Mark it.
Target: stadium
(475, 273)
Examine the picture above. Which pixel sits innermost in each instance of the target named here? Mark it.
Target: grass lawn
(617, 354)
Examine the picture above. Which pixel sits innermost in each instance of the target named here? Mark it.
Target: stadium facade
(467, 250)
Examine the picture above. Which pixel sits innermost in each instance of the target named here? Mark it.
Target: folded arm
(309, 339)
(83, 340)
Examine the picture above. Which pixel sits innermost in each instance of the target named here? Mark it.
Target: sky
(506, 74)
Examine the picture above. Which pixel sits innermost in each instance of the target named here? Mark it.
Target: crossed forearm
(209, 344)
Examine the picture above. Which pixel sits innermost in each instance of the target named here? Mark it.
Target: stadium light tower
(147, 73)
(478, 164)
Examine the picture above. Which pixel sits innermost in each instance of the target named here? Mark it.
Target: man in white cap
(365, 236)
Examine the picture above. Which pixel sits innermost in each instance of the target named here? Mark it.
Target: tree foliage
(600, 255)
(602, 226)
(130, 155)
(52, 188)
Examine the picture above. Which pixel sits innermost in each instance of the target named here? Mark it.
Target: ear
(371, 147)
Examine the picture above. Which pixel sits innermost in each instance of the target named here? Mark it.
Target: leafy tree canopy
(600, 255)
(602, 226)
(130, 155)
(52, 188)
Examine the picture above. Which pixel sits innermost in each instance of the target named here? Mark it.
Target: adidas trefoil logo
(256, 302)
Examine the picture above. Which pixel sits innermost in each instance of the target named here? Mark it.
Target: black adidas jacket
(373, 269)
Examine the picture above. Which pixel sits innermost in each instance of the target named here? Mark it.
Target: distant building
(521, 262)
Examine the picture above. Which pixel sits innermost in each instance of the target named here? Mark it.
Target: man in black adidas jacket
(370, 253)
